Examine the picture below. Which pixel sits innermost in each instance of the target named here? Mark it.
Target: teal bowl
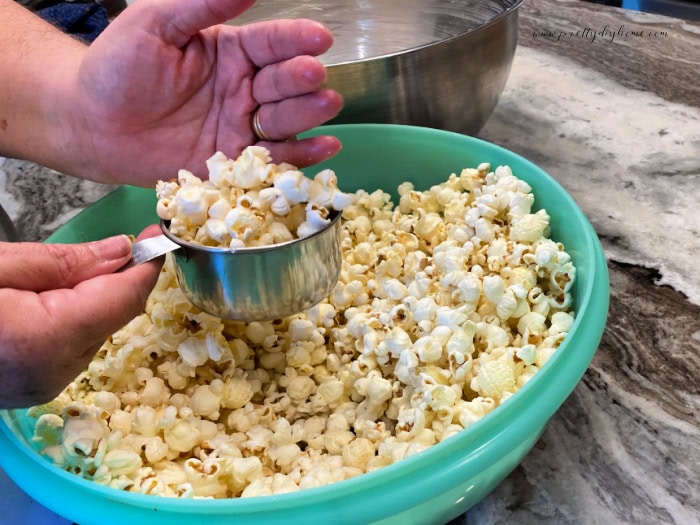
(433, 486)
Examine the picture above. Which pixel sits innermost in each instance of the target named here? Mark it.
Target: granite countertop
(608, 102)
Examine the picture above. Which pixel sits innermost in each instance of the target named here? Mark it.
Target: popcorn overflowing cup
(255, 242)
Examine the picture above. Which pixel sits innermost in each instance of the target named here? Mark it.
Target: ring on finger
(257, 128)
(260, 133)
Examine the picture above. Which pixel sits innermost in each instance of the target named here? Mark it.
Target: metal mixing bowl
(7, 229)
(436, 63)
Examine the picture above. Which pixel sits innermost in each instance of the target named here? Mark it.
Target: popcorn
(446, 305)
(248, 201)
(494, 378)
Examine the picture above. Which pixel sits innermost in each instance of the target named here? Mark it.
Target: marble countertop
(608, 102)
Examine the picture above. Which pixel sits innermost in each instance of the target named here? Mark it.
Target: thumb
(38, 267)
(176, 22)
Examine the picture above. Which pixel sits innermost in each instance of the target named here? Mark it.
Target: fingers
(38, 267)
(290, 78)
(149, 231)
(288, 117)
(306, 152)
(97, 307)
(266, 42)
(176, 22)
(276, 40)
(49, 337)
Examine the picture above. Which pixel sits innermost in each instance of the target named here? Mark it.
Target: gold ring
(257, 129)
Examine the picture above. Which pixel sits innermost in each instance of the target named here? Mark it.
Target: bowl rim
(506, 12)
(471, 441)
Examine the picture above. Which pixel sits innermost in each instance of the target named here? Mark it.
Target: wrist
(39, 64)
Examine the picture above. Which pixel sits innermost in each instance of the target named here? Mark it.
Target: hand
(164, 88)
(56, 312)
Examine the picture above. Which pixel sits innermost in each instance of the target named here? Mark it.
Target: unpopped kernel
(447, 304)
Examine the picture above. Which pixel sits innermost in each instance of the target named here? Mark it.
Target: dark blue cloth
(84, 21)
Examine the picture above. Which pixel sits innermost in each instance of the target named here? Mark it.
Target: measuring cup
(259, 283)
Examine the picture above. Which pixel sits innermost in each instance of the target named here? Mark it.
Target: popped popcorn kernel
(248, 201)
(447, 304)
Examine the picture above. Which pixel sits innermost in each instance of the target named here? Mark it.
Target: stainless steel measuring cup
(252, 284)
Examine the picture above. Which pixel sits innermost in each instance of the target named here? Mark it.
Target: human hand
(164, 87)
(58, 304)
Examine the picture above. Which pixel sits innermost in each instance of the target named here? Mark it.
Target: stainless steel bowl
(435, 63)
(262, 283)
(7, 229)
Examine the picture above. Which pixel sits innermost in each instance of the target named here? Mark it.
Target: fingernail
(112, 248)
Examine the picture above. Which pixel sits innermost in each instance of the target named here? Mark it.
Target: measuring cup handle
(148, 249)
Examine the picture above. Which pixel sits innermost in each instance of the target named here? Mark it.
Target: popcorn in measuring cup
(249, 201)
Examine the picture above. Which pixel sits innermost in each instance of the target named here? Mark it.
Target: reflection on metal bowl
(435, 63)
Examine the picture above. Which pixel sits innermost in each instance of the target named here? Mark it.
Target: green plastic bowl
(433, 486)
